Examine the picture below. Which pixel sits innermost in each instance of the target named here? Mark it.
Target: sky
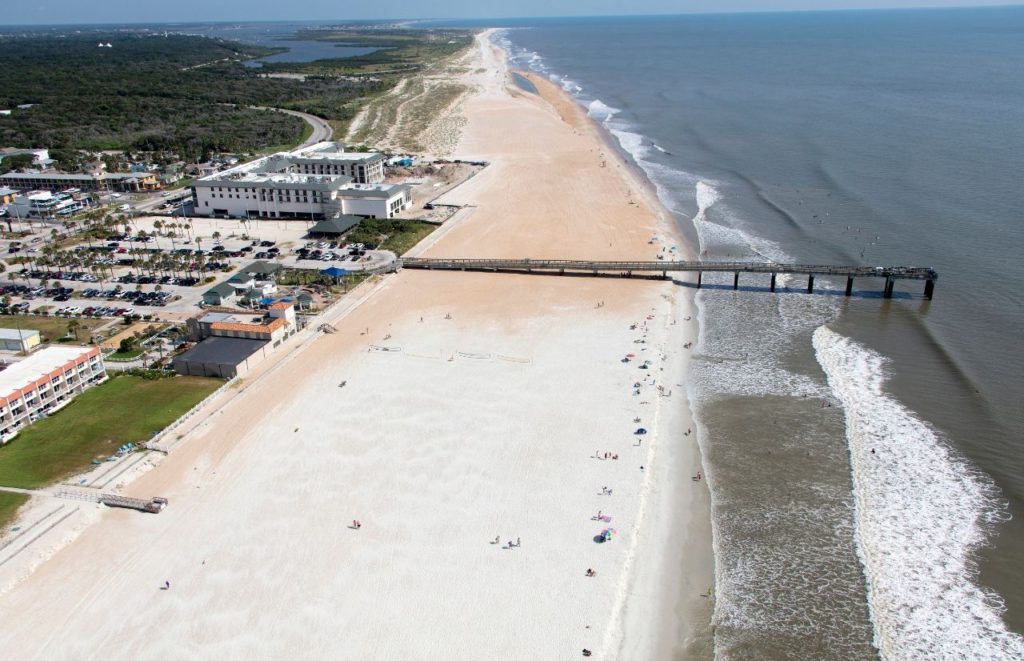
(30, 12)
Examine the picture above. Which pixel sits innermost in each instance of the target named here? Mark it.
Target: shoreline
(684, 630)
(482, 420)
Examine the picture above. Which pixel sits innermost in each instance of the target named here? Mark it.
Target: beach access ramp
(152, 505)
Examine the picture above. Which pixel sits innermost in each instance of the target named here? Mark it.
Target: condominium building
(45, 382)
(320, 182)
(55, 181)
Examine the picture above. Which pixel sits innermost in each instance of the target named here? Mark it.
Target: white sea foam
(706, 197)
(659, 148)
(921, 512)
(600, 111)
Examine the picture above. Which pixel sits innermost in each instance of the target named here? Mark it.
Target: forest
(151, 92)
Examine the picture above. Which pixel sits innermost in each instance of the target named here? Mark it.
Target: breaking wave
(920, 513)
(598, 110)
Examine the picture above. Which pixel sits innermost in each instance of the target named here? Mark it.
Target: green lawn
(124, 356)
(9, 504)
(126, 408)
(52, 328)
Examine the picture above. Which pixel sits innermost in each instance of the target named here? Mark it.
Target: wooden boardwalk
(890, 274)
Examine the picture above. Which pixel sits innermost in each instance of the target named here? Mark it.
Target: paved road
(322, 131)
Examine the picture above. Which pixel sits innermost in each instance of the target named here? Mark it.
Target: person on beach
(356, 524)
(591, 572)
(167, 585)
(518, 543)
(497, 539)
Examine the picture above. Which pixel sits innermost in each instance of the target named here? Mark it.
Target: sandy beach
(476, 410)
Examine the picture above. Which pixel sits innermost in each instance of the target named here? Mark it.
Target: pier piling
(771, 287)
(810, 284)
(736, 280)
(890, 282)
(849, 285)
(929, 289)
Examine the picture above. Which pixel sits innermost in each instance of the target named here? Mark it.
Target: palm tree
(73, 327)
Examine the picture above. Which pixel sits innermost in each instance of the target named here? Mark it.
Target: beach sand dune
(473, 406)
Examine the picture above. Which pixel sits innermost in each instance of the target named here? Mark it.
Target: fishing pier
(661, 269)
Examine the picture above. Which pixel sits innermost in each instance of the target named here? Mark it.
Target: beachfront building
(320, 182)
(331, 158)
(230, 348)
(16, 339)
(45, 382)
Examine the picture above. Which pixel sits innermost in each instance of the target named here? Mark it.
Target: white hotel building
(314, 183)
(44, 382)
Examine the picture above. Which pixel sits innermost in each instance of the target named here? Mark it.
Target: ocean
(863, 454)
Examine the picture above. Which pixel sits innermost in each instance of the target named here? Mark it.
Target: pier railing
(634, 269)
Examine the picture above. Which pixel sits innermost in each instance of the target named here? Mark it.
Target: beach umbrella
(608, 533)
(640, 431)
(630, 355)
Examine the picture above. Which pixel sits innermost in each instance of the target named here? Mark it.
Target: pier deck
(641, 269)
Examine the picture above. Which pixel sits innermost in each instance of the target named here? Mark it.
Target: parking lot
(150, 272)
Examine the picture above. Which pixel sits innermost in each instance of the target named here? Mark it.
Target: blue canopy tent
(334, 272)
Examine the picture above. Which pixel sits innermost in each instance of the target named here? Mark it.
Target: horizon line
(996, 5)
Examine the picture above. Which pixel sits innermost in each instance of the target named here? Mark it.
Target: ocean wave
(600, 111)
(706, 197)
(921, 513)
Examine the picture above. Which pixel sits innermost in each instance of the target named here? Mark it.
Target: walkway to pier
(890, 274)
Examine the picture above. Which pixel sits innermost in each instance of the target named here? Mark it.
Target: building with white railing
(322, 181)
(45, 382)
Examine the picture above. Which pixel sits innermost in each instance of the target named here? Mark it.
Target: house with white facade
(315, 183)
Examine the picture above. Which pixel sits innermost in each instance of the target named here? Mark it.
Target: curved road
(322, 131)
